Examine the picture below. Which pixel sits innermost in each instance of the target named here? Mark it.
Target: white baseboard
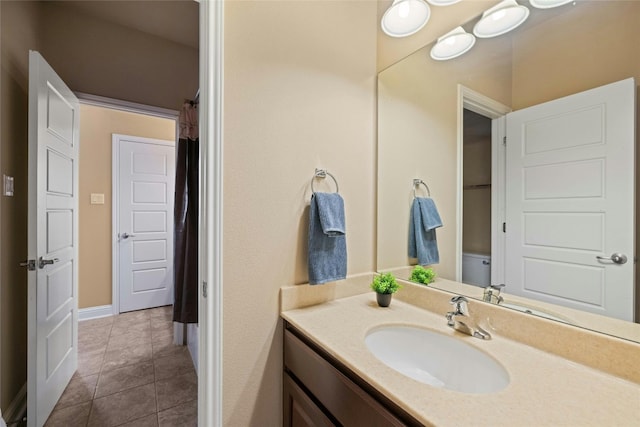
(95, 312)
(178, 333)
(192, 342)
(18, 407)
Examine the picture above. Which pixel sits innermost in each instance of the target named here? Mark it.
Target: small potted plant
(422, 275)
(385, 286)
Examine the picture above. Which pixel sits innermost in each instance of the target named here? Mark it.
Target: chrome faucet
(460, 320)
(492, 294)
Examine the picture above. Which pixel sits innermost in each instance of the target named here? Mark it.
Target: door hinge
(204, 289)
(30, 264)
(504, 141)
(504, 227)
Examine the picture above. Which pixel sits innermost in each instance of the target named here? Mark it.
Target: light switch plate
(97, 199)
(7, 189)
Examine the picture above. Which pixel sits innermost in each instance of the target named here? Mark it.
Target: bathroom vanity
(554, 371)
(321, 391)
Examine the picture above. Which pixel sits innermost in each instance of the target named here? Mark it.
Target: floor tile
(92, 347)
(130, 374)
(161, 329)
(90, 363)
(183, 415)
(175, 390)
(163, 312)
(131, 316)
(76, 415)
(124, 406)
(148, 421)
(164, 346)
(129, 339)
(96, 323)
(79, 390)
(120, 379)
(94, 332)
(127, 356)
(129, 327)
(93, 339)
(175, 364)
(163, 317)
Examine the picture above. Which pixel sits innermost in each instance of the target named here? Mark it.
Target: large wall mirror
(444, 121)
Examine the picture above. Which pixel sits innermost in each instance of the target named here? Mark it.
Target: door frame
(496, 111)
(130, 107)
(210, 271)
(116, 138)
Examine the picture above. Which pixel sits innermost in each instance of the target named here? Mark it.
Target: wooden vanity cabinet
(320, 391)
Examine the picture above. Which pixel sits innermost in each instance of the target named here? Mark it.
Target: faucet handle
(458, 298)
(460, 304)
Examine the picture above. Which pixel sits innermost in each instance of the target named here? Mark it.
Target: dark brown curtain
(185, 307)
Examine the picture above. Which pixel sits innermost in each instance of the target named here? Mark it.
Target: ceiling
(174, 20)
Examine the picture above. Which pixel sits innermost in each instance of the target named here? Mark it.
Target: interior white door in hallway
(52, 239)
(144, 218)
(571, 201)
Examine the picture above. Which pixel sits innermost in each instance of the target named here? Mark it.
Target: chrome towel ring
(416, 183)
(322, 173)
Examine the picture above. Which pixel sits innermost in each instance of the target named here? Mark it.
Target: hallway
(129, 374)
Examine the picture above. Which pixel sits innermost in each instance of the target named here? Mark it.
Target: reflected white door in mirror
(570, 200)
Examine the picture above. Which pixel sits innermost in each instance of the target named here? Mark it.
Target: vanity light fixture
(442, 2)
(452, 44)
(405, 17)
(500, 19)
(548, 4)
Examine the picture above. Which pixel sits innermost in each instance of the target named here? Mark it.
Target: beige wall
(417, 138)
(602, 49)
(97, 124)
(101, 58)
(299, 94)
(18, 35)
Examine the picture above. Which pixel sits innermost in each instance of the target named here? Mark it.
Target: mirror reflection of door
(476, 200)
(570, 200)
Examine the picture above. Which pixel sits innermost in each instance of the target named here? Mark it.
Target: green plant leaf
(385, 284)
(422, 275)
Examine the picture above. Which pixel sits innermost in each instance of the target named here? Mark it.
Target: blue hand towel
(327, 242)
(423, 222)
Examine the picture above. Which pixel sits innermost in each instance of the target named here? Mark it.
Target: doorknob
(616, 258)
(30, 264)
(126, 235)
(42, 262)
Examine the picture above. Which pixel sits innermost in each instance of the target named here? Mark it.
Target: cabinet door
(299, 409)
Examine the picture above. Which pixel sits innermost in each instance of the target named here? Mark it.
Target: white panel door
(146, 178)
(52, 239)
(571, 200)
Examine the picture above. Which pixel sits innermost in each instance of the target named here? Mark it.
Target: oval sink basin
(436, 359)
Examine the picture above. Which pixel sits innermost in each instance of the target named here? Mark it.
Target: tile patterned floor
(129, 374)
